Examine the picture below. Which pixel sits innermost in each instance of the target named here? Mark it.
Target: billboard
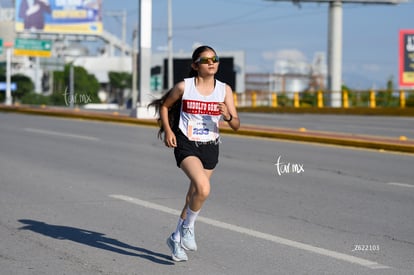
(59, 16)
(379, 2)
(406, 58)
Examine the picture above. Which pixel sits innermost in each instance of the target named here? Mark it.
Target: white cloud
(286, 54)
(359, 68)
(371, 67)
(269, 55)
(252, 68)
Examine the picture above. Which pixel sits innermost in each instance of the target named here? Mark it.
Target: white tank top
(200, 116)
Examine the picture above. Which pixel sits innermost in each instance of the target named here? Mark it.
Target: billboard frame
(59, 16)
(405, 55)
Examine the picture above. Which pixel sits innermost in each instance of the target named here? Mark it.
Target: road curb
(78, 114)
(334, 138)
(355, 142)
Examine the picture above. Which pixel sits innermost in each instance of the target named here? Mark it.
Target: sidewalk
(363, 141)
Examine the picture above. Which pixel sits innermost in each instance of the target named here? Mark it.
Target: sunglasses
(205, 60)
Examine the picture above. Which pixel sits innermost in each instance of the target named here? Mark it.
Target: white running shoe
(177, 252)
(188, 238)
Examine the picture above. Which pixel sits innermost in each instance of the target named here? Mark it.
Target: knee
(203, 190)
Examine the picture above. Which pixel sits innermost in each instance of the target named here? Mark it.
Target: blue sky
(266, 30)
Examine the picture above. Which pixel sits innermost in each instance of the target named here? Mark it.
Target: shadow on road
(94, 239)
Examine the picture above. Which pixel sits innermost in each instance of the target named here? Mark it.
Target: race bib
(202, 130)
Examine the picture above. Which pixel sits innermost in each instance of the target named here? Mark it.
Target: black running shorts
(207, 152)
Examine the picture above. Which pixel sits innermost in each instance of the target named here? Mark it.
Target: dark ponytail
(174, 111)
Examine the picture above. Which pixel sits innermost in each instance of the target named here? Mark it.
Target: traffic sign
(1, 46)
(33, 47)
(156, 83)
(53, 64)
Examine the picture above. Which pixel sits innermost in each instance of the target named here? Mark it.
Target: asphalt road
(375, 125)
(391, 126)
(81, 197)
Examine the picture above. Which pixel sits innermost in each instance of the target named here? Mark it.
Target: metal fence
(320, 99)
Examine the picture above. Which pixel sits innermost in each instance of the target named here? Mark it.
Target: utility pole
(335, 53)
(124, 31)
(9, 100)
(144, 69)
(170, 47)
(122, 14)
(134, 69)
(145, 31)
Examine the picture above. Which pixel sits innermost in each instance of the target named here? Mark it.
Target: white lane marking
(60, 134)
(258, 234)
(401, 184)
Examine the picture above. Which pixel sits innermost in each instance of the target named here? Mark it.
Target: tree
(385, 98)
(86, 87)
(2, 78)
(24, 86)
(119, 81)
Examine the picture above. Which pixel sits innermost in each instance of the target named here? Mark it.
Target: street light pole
(122, 14)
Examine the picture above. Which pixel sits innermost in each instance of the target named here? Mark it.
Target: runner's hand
(223, 110)
(170, 140)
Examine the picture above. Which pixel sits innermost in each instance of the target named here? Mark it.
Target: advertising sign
(388, 2)
(59, 16)
(406, 58)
